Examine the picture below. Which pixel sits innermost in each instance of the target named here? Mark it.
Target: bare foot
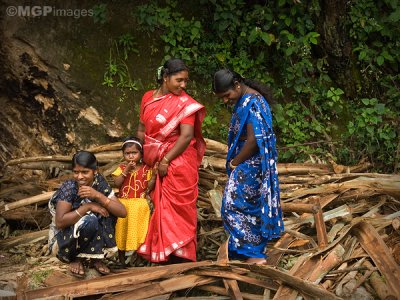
(101, 267)
(76, 268)
(256, 261)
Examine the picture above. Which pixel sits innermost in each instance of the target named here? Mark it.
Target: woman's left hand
(162, 169)
(88, 192)
(97, 208)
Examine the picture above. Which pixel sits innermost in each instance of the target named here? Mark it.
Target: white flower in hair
(159, 72)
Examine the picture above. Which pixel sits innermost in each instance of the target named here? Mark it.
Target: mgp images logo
(43, 11)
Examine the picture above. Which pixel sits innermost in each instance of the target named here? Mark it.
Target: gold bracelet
(165, 157)
(77, 212)
(107, 202)
(231, 165)
(123, 174)
(164, 164)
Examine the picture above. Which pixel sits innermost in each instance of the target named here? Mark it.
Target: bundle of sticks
(342, 232)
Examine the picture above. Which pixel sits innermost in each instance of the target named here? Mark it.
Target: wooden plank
(112, 283)
(164, 287)
(292, 281)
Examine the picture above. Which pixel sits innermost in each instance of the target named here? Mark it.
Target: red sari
(173, 225)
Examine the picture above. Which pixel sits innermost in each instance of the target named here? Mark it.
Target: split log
(332, 260)
(164, 287)
(301, 269)
(376, 248)
(379, 284)
(115, 282)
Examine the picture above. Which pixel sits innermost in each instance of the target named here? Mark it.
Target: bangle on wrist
(107, 202)
(166, 159)
(77, 212)
(123, 174)
(232, 166)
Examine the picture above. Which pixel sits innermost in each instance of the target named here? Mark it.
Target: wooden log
(341, 211)
(164, 287)
(39, 199)
(320, 225)
(231, 285)
(216, 146)
(378, 283)
(46, 165)
(112, 283)
(297, 168)
(299, 207)
(37, 217)
(301, 269)
(273, 255)
(102, 157)
(332, 260)
(262, 282)
(107, 147)
(376, 248)
(24, 239)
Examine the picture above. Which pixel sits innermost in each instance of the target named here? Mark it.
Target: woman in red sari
(170, 126)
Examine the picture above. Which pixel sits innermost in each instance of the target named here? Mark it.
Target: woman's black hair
(170, 67)
(134, 141)
(85, 159)
(225, 80)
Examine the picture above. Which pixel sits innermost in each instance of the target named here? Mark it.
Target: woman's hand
(163, 168)
(97, 208)
(88, 192)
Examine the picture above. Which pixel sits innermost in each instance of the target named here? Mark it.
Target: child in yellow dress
(135, 180)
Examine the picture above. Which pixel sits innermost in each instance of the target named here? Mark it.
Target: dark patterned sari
(92, 236)
(251, 208)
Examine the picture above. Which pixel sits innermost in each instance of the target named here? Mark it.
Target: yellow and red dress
(130, 232)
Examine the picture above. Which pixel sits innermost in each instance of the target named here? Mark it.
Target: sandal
(101, 267)
(77, 269)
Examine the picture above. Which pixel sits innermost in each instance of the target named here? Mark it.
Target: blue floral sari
(251, 209)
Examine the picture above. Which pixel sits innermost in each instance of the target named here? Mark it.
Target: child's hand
(155, 169)
(130, 167)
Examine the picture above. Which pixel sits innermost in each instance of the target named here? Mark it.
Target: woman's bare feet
(256, 261)
(77, 269)
(101, 267)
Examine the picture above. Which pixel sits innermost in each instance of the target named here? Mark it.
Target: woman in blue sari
(251, 209)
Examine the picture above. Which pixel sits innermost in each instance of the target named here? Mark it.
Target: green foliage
(371, 130)
(281, 43)
(100, 13)
(38, 277)
(117, 73)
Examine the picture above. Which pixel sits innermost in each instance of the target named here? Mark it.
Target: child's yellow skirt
(130, 232)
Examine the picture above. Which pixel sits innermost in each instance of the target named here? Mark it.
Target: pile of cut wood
(341, 240)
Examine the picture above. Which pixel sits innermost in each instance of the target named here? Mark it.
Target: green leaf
(365, 101)
(380, 60)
